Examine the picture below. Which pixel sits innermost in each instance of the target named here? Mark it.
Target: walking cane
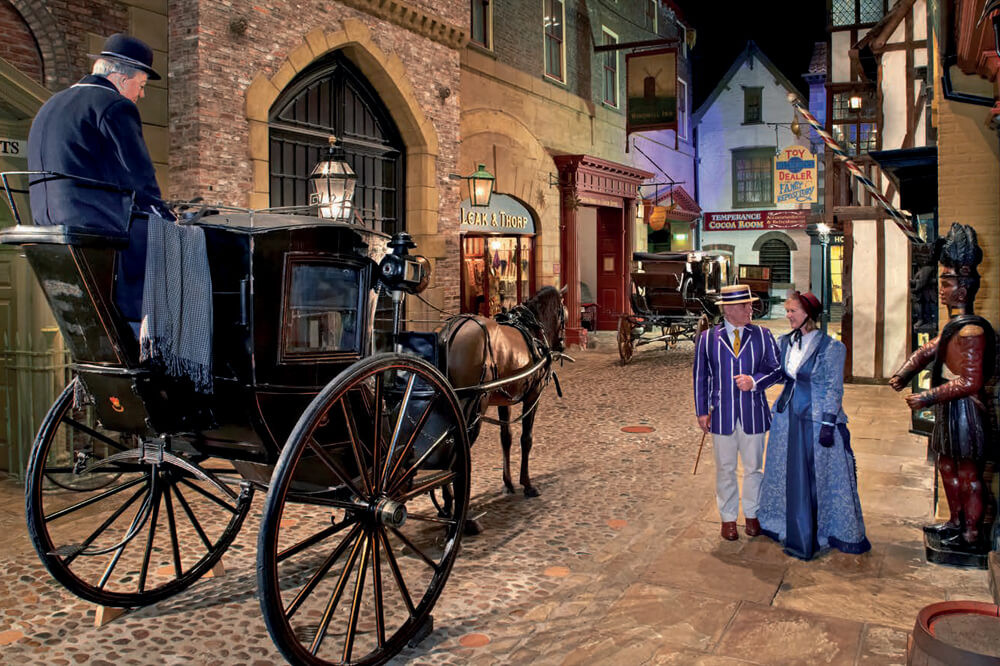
(698, 457)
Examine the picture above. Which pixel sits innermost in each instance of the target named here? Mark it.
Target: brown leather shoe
(729, 532)
(752, 527)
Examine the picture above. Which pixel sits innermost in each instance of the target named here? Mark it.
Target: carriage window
(321, 309)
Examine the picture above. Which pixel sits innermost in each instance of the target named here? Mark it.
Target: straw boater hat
(735, 294)
(130, 51)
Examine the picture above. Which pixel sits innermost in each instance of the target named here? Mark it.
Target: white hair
(105, 66)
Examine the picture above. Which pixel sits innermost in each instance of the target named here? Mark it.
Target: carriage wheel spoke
(383, 477)
(174, 545)
(377, 432)
(415, 466)
(93, 433)
(335, 596)
(315, 579)
(359, 586)
(334, 467)
(402, 537)
(377, 591)
(396, 573)
(429, 519)
(352, 436)
(152, 532)
(191, 517)
(409, 442)
(105, 525)
(428, 483)
(121, 549)
(208, 495)
(91, 500)
(314, 539)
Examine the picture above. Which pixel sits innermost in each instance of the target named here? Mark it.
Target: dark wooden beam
(857, 212)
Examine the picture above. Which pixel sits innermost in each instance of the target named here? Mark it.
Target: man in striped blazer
(734, 363)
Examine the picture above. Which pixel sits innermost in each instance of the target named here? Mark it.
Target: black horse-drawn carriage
(674, 292)
(137, 485)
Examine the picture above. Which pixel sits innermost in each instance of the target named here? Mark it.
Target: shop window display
(496, 273)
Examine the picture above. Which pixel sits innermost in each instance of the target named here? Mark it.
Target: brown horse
(481, 351)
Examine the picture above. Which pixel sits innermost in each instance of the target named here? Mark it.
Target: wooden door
(610, 268)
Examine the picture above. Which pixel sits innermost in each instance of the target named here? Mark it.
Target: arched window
(332, 97)
(775, 253)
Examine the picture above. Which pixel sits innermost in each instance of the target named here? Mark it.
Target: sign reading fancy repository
(795, 176)
(505, 215)
(756, 220)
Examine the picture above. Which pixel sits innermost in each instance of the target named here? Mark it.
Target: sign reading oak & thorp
(795, 176)
(505, 215)
(756, 220)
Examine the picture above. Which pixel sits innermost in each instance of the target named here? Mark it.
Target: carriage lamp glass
(481, 186)
(333, 182)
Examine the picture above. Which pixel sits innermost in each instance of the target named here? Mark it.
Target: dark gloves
(826, 435)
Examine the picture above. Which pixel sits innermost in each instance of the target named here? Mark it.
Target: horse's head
(548, 308)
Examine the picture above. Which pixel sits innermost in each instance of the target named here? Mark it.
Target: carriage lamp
(402, 271)
(333, 182)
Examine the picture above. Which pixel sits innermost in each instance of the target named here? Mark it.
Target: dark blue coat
(92, 130)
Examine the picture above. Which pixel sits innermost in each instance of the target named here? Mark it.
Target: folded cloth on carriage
(176, 333)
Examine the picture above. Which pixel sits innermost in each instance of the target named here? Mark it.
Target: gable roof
(750, 52)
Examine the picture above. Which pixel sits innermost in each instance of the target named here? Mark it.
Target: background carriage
(676, 292)
(137, 485)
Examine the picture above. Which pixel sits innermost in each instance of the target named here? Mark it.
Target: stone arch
(775, 235)
(56, 62)
(387, 76)
(720, 247)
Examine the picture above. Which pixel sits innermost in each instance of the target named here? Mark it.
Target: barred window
(752, 177)
(775, 253)
(856, 12)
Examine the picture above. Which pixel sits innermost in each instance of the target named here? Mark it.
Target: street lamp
(333, 182)
(824, 242)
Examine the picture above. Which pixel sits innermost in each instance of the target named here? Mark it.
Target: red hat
(812, 306)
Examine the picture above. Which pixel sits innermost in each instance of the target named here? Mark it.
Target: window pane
(480, 22)
(321, 313)
(843, 12)
(752, 175)
(610, 72)
(553, 38)
(871, 10)
(751, 105)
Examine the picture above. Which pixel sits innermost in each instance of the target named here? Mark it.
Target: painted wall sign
(795, 176)
(505, 215)
(13, 147)
(651, 90)
(756, 220)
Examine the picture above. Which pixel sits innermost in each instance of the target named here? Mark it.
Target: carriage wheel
(703, 323)
(352, 578)
(625, 344)
(125, 525)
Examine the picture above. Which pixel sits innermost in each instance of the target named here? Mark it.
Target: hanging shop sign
(756, 220)
(505, 215)
(795, 176)
(651, 90)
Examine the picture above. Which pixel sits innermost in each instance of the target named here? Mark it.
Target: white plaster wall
(863, 299)
(893, 99)
(920, 20)
(840, 44)
(897, 299)
(586, 239)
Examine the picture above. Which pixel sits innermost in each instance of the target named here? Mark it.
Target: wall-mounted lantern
(333, 182)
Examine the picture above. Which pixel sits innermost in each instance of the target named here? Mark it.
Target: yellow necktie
(736, 341)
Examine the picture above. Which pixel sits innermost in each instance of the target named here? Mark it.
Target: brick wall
(18, 46)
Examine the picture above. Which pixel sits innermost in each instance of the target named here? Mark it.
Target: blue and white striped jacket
(715, 365)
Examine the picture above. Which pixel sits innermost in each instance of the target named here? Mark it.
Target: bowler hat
(129, 50)
(735, 294)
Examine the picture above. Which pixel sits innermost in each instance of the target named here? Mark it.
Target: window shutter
(775, 254)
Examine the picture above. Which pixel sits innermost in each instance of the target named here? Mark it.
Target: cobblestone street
(618, 561)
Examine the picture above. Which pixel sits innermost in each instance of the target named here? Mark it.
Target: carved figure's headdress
(961, 253)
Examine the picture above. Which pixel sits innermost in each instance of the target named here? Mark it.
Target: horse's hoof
(508, 490)
(531, 491)
(472, 527)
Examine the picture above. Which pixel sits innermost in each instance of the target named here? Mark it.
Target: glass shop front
(498, 247)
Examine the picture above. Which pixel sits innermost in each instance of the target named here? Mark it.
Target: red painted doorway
(610, 268)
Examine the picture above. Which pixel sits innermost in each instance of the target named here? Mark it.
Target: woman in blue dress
(809, 496)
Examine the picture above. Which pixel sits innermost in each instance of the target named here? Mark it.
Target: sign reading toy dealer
(795, 176)
(756, 220)
(505, 215)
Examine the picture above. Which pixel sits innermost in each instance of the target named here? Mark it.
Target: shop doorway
(496, 273)
(610, 268)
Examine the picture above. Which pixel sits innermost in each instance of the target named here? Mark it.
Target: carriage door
(610, 268)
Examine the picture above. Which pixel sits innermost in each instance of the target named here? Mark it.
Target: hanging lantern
(333, 182)
(481, 186)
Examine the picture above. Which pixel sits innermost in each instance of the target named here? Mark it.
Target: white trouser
(751, 450)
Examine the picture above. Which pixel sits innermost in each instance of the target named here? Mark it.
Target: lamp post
(824, 279)
(333, 182)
